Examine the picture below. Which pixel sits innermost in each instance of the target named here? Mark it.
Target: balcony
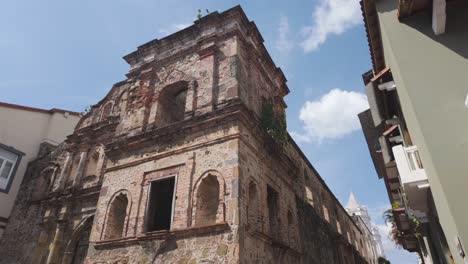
(413, 179)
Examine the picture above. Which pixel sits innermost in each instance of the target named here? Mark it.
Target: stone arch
(117, 215)
(176, 76)
(326, 214)
(106, 110)
(273, 207)
(172, 100)
(76, 248)
(176, 89)
(291, 229)
(253, 206)
(290, 217)
(44, 182)
(208, 199)
(95, 161)
(309, 196)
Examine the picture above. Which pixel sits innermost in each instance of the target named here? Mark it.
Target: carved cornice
(70, 194)
(150, 52)
(90, 134)
(165, 134)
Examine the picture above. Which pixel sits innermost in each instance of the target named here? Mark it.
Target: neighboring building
(415, 127)
(25, 134)
(174, 166)
(363, 220)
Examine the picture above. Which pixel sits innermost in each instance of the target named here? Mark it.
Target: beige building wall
(430, 75)
(24, 129)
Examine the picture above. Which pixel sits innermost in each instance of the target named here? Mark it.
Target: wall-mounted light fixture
(466, 101)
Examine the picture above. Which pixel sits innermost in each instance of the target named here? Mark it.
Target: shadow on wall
(455, 37)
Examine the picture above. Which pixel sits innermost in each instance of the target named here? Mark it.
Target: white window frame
(5, 183)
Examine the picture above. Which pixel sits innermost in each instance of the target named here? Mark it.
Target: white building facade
(361, 216)
(23, 131)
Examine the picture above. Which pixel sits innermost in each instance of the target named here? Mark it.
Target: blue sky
(67, 54)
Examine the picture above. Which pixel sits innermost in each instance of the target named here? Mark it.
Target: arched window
(94, 161)
(207, 201)
(106, 110)
(116, 217)
(325, 213)
(309, 196)
(43, 183)
(290, 218)
(252, 209)
(171, 103)
(76, 249)
(291, 229)
(273, 213)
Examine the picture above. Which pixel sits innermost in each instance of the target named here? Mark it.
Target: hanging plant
(395, 234)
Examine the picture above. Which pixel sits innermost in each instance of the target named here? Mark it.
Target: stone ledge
(274, 242)
(164, 234)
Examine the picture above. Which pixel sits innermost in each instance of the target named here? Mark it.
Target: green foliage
(396, 205)
(415, 224)
(280, 133)
(388, 217)
(199, 13)
(395, 234)
(383, 260)
(274, 123)
(87, 109)
(267, 116)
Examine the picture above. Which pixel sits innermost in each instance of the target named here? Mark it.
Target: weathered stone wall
(189, 109)
(308, 234)
(26, 223)
(259, 242)
(195, 157)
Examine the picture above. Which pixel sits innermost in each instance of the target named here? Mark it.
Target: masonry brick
(172, 166)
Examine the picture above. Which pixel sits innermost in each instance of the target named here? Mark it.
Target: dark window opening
(171, 103)
(106, 110)
(253, 207)
(273, 212)
(160, 204)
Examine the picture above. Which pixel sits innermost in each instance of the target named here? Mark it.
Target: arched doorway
(77, 246)
(81, 247)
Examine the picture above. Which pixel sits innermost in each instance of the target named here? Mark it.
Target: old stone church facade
(173, 166)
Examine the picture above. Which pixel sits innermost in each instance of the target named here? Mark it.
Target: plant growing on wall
(274, 122)
(396, 205)
(86, 110)
(199, 13)
(395, 234)
(383, 260)
(415, 224)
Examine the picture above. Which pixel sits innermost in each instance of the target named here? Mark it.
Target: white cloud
(392, 252)
(332, 116)
(173, 28)
(330, 17)
(283, 42)
(387, 244)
